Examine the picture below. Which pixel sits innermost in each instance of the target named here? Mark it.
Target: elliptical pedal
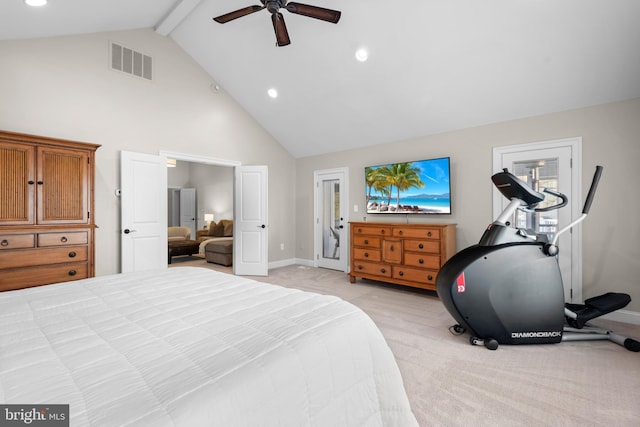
(596, 307)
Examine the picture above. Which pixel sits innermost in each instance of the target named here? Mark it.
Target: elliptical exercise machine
(507, 289)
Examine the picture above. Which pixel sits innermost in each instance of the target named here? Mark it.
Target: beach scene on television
(419, 187)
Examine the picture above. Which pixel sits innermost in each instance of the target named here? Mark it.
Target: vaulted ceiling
(434, 65)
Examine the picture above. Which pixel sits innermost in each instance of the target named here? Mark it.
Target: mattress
(192, 347)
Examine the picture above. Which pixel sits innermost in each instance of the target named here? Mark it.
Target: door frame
(575, 144)
(318, 208)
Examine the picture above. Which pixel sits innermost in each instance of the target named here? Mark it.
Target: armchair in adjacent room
(178, 233)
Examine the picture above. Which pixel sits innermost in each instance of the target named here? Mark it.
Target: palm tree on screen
(404, 176)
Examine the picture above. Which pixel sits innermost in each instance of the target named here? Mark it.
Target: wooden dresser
(404, 254)
(46, 210)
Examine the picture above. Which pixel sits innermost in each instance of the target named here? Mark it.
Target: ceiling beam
(181, 10)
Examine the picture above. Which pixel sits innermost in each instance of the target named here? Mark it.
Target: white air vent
(130, 61)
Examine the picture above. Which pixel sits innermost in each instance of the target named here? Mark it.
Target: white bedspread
(194, 347)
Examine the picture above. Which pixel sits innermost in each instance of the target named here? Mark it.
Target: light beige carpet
(451, 383)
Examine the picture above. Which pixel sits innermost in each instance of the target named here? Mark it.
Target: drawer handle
(40, 182)
(401, 273)
(421, 246)
(400, 232)
(366, 242)
(63, 239)
(72, 272)
(366, 254)
(429, 277)
(5, 242)
(391, 248)
(428, 234)
(381, 231)
(31, 182)
(359, 267)
(72, 254)
(384, 270)
(421, 261)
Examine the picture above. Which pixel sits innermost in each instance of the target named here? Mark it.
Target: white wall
(611, 233)
(63, 88)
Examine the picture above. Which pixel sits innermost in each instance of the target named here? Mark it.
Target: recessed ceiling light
(362, 54)
(272, 93)
(36, 2)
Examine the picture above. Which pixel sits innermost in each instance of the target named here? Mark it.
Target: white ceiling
(434, 65)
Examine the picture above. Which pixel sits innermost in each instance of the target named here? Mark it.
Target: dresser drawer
(367, 241)
(372, 230)
(422, 246)
(366, 254)
(32, 257)
(18, 278)
(415, 274)
(407, 232)
(422, 260)
(60, 239)
(371, 268)
(17, 241)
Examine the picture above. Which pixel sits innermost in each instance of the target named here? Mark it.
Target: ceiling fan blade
(237, 14)
(328, 15)
(282, 36)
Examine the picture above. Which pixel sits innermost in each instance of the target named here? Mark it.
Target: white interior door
(549, 165)
(188, 210)
(251, 232)
(143, 211)
(330, 224)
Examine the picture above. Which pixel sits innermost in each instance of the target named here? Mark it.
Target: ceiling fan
(274, 6)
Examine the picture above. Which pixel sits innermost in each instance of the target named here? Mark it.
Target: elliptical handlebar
(552, 248)
(592, 190)
(559, 195)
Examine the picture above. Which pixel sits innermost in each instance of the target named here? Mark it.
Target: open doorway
(201, 197)
(144, 213)
(209, 193)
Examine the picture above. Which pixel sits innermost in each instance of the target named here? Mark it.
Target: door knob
(127, 231)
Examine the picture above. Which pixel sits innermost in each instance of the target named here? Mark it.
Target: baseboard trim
(281, 263)
(624, 316)
(291, 261)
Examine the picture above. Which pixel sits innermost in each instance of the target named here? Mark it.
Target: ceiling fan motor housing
(273, 6)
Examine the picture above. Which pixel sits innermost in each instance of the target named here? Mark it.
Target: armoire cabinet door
(62, 186)
(17, 184)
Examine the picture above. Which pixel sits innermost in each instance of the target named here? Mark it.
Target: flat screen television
(418, 187)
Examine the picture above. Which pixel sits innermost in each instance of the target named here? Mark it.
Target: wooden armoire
(46, 210)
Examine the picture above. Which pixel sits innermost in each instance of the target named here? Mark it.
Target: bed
(189, 346)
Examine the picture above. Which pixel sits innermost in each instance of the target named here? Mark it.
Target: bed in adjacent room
(195, 347)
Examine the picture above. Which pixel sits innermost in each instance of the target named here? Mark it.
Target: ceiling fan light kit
(274, 6)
